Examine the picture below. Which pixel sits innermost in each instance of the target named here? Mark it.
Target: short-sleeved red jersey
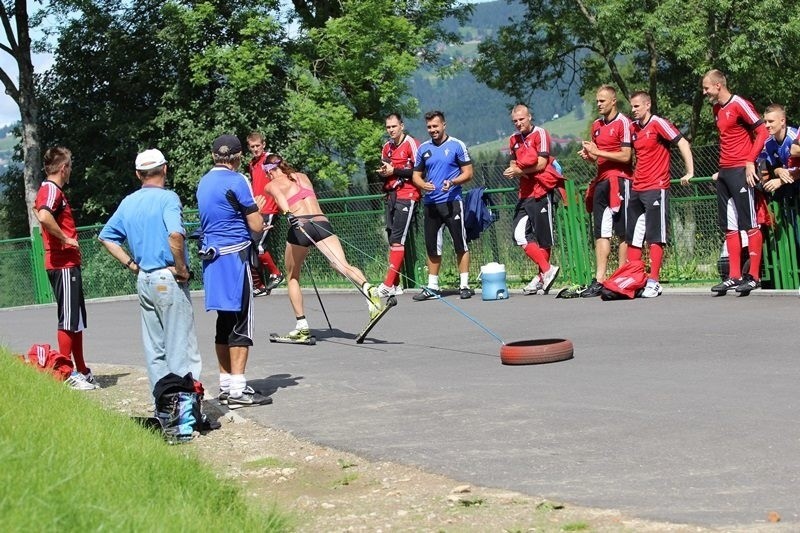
(402, 156)
(741, 132)
(56, 254)
(612, 136)
(651, 142)
(526, 151)
(259, 180)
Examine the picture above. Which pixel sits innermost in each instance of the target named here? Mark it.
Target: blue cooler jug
(493, 282)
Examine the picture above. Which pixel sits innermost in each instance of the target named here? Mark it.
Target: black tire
(536, 351)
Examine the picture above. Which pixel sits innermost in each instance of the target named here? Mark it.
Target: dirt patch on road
(331, 490)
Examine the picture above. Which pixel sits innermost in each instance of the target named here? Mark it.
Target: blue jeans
(170, 343)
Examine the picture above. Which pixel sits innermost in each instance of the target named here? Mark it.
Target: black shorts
(235, 328)
(399, 214)
(437, 216)
(736, 204)
(647, 217)
(67, 284)
(313, 231)
(606, 222)
(533, 221)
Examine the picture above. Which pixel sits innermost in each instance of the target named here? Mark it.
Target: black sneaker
(748, 284)
(274, 281)
(465, 293)
(593, 289)
(426, 294)
(249, 397)
(727, 285)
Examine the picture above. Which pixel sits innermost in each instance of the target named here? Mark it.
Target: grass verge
(68, 465)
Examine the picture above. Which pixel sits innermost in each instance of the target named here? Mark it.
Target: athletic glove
(295, 222)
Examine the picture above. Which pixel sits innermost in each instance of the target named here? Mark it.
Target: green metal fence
(691, 255)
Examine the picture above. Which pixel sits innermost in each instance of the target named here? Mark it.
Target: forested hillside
(475, 113)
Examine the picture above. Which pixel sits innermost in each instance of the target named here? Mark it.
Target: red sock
(70, 343)
(734, 242)
(266, 260)
(634, 253)
(396, 254)
(656, 258)
(754, 241)
(546, 252)
(537, 255)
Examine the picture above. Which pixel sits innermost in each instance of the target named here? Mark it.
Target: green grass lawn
(69, 465)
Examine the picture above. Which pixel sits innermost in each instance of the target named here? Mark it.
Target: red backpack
(48, 360)
(626, 283)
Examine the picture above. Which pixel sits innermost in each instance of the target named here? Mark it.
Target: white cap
(150, 159)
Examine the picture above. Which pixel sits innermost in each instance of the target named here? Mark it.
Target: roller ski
(296, 336)
(375, 318)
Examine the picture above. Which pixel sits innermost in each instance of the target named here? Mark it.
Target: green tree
(663, 46)
(17, 43)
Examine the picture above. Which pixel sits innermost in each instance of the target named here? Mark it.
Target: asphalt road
(683, 408)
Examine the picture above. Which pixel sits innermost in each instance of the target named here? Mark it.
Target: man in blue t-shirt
(443, 165)
(777, 153)
(149, 220)
(228, 213)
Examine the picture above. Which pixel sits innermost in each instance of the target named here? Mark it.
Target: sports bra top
(302, 194)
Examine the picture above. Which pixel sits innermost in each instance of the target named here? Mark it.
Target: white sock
(301, 324)
(238, 383)
(464, 279)
(224, 382)
(433, 281)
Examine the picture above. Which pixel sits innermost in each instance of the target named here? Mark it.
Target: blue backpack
(478, 215)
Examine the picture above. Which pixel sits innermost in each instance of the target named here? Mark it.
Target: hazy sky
(9, 112)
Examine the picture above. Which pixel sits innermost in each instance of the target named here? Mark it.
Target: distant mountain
(475, 113)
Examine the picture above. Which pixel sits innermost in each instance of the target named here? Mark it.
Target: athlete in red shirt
(540, 186)
(648, 205)
(62, 259)
(397, 164)
(259, 180)
(610, 148)
(741, 138)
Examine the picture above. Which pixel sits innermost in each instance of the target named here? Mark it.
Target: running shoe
(534, 286)
(260, 291)
(77, 381)
(398, 290)
(427, 293)
(592, 290)
(249, 397)
(375, 303)
(727, 285)
(385, 291)
(465, 293)
(90, 378)
(748, 284)
(549, 277)
(652, 289)
(274, 281)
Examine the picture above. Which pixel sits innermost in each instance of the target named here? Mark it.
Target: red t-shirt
(402, 156)
(612, 136)
(56, 254)
(526, 151)
(259, 180)
(741, 132)
(652, 142)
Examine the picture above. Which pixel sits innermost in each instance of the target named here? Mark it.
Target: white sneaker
(77, 381)
(385, 291)
(652, 289)
(398, 290)
(90, 379)
(534, 286)
(549, 277)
